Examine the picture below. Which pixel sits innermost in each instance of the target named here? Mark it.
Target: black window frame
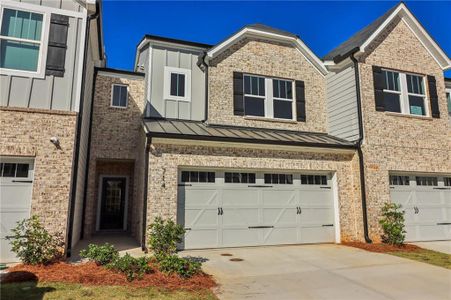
(121, 87)
(240, 177)
(195, 176)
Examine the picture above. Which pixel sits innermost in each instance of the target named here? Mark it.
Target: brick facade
(268, 59)
(395, 142)
(116, 140)
(27, 133)
(166, 160)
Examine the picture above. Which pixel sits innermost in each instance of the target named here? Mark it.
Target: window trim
(167, 83)
(269, 98)
(43, 43)
(112, 92)
(404, 94)
(448, 91)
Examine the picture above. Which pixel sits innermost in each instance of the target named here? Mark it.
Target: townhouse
(48, 53)
(257, 141)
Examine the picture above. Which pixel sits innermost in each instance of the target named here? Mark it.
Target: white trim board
(251, 32)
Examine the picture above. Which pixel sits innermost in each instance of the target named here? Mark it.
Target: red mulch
(91, 274)
(382, 248)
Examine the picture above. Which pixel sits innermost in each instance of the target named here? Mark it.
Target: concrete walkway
(440, 246)
(322, 272)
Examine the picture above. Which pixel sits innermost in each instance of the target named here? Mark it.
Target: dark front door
(113, 203)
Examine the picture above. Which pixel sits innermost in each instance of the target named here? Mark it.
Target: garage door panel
(318, 216)
(15, 195)
(240, 217)
(279, 197)
(234, 237)
(201, 238)
(240, 197)
(200, 197)
(315, 197)
(428, 197)
(430, 214)
(317, 234)
(195, 218)
(280, 235)
(403, 197)
(431, 232)
(280, 216)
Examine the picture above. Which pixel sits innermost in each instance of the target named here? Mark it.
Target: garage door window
(195, 176)
(239, 177)
(447, 181)
(427, 181)
(399, 180)
(14, 170)
(314, 179)
(278, 179)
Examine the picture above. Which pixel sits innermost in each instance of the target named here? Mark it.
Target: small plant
(33, 244)
(164, 236)
(133, 268)
(182, 266)
(392, 223)
(100, 254)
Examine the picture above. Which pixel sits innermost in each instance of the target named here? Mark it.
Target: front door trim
(99, 200)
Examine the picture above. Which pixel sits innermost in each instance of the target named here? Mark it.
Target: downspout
(146, 180)
(70, 225)
(204, 64)
(88, 158)
(359, 149)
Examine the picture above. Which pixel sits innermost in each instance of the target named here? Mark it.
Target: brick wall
(27, 133)
(268, 59)
(395, 142)
(116, 142)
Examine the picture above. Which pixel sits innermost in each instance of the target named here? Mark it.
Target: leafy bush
(100, 254)
(33, 244)
(182, 266)
(392, 222)
(164, 236)
(132, 267)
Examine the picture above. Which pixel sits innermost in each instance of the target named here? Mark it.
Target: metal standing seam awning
(197, 130)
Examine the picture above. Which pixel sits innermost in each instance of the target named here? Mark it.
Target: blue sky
(321, 25)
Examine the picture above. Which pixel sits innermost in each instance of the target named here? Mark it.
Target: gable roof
(268, 33)
(359, 41)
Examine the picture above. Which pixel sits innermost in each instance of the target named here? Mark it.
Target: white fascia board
(436, 52)
(172, 45)
(250, 32)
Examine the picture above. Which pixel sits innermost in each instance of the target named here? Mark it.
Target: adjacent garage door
(231, 208)
(15, 199)
(427, 204)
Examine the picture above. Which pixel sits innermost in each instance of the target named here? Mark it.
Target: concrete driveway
(322, 272)
(439, 246)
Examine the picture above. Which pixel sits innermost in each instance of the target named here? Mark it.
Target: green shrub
(33, 244)
(182, 266)
(392, 222)
(132, 267)
(100, 254)
(164, 236)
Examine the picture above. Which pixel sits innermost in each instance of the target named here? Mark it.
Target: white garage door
(427, 204)
(230, 208)
(16, 180)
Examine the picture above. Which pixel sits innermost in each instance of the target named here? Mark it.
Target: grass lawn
(50, 290)
(427, 256)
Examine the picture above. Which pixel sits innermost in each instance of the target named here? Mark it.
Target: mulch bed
(383, 248)
(91, 274)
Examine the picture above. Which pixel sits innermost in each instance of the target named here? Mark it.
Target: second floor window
(267, 97)
(404, 93)
(177, 84)
(119, 95)
(20, 40)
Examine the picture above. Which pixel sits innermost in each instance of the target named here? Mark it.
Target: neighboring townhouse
(389, 77)
(48, 53)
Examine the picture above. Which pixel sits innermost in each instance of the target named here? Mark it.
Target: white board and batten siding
(153, 60)
(342, 104)
(50, 92)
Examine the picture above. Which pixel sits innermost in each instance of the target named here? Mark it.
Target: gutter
(71, 208)
(359, 147)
